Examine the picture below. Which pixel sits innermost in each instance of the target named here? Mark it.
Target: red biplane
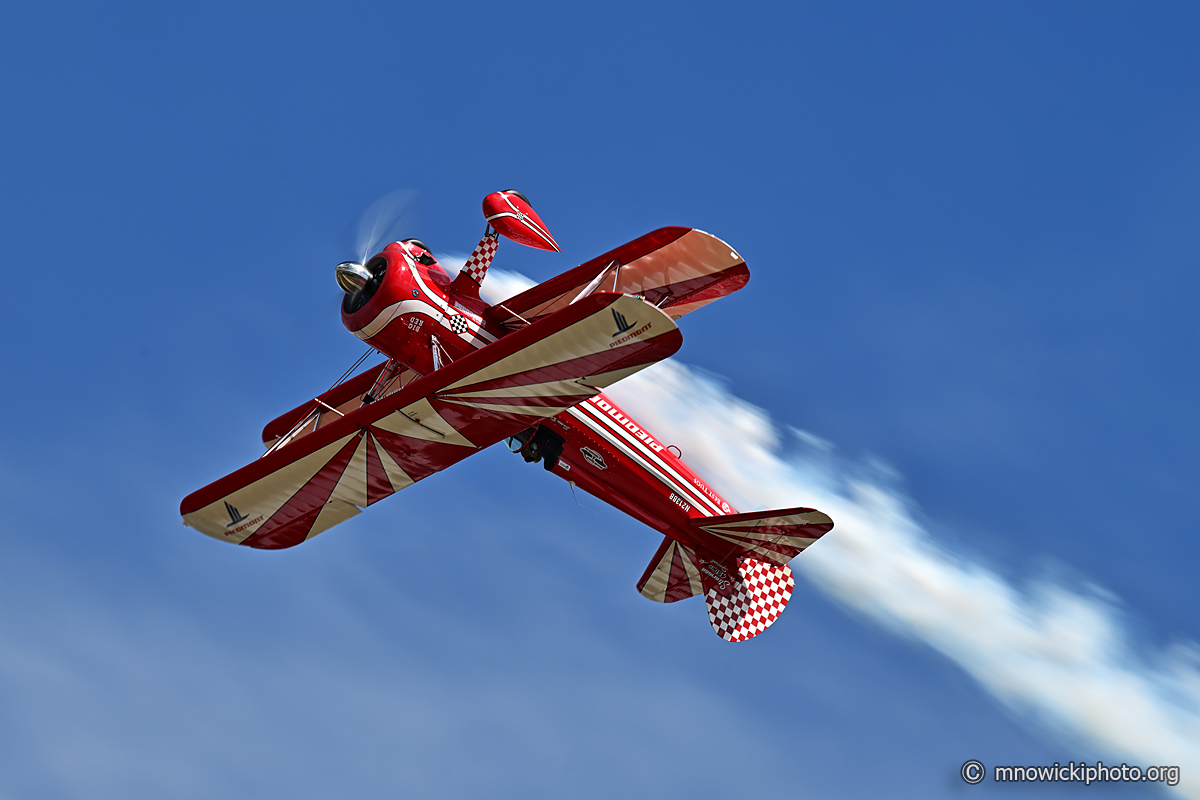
(461, 375)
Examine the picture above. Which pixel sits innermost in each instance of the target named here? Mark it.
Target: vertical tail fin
(753, 598)
(739, 565)
(742, 602)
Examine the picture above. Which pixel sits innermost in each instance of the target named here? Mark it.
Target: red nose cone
(511, 215)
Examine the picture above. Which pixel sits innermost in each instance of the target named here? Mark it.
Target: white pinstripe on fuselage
(623, 439)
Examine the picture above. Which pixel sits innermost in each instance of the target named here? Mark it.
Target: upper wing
(310, 484)
(675, 269)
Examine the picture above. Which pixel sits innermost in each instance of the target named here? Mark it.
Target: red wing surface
(312, 483)
(675, 269)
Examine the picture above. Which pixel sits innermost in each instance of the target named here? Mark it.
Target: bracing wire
(353, 367)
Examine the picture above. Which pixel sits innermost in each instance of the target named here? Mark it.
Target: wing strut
(591, 287)
(376, 390)
(475, 269)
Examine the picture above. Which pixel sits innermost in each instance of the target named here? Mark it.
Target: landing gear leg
(538, 443)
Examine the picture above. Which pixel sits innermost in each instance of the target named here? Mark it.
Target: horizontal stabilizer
(673, 574)
(777, 535)
(754, 596)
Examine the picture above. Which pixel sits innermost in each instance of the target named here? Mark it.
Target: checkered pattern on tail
(760, 593)
(481, 258)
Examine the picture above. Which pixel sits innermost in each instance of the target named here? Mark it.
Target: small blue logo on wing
(233, 515)
(622, 325)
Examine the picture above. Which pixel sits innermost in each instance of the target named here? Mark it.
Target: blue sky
(972, 236)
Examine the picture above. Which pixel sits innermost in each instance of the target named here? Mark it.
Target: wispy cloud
(1058, 654)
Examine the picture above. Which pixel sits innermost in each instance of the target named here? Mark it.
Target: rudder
(753, 598)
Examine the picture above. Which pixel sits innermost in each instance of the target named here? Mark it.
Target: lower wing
(310, 484)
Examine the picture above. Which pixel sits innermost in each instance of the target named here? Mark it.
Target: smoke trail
(1047, 650)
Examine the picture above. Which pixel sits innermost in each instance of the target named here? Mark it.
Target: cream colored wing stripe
(656, 586)
(352, 485)
(574, 341)
(799, 542)
(660, 579)
(760, 552)
(334, 512)
(421, 421)
(568, 388)
(395, 473)
(745, 532)
(585, 387)
(572, 391)
(813, 517)
(256, 502)
(525, 411)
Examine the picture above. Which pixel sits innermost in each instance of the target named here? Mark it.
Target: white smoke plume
(1047, 650)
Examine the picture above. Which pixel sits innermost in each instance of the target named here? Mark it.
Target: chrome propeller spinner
(352, 276)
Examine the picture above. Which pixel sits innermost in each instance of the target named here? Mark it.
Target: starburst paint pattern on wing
(303, 488)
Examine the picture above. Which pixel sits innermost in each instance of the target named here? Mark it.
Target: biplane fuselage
(530, 370)
(416, 318)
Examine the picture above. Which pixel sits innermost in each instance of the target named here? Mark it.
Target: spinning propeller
(508, 212)
(384, 221)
